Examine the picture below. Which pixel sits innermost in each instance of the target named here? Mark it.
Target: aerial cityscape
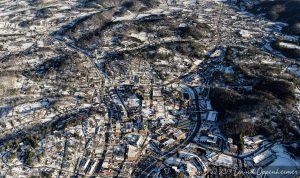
(149, 88)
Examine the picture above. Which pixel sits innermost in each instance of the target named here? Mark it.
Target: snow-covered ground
(289, 45)
(283, 163)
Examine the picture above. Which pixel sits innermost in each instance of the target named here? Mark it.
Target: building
(133, 101)
(210, 139)
(184, 123)
(212, 116)
(93, 167)
(232, 148)
(253, 142)
(225, 160)
(264, 158)
(133, 153)
(179, 135)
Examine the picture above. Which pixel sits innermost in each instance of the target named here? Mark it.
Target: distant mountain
(287, 11)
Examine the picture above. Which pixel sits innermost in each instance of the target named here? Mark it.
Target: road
(122, 102)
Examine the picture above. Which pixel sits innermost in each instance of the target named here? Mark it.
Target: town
(175, 88)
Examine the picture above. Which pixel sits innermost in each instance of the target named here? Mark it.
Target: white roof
(212, 116)
(262, 156)
(132, 151)
(224, 159)
(217, 53)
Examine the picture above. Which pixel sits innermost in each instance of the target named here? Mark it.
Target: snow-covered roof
(212, 116)
(262, 156)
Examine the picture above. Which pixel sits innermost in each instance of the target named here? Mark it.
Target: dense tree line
(281, 89)
(229, 100)
(288, 52)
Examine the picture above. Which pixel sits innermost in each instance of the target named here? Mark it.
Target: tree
(279, 88)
